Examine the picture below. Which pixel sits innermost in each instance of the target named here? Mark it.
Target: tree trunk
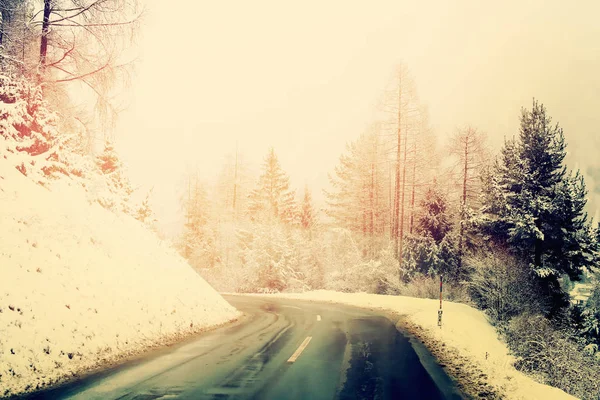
(401, 241)
(23, 41)
(463, 205)
(390, 189)
(398, 156)
(44, 39)
(235, 174)
(3, 25)
(538, 246)
(372, 211)
(412, 196)
(372, 201)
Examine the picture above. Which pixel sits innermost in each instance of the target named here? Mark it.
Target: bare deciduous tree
(469, 150)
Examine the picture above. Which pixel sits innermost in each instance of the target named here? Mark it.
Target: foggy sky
(304, 77)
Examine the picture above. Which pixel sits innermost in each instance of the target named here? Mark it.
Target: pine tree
(144, 213)
(118, 190)
(197, 242)
(590, 318)
(307, 212)
(272, 198)
(433, 220)
(108, 161)
(536, 208)
(433, 249)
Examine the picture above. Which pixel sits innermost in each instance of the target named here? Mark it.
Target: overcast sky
(304, 77)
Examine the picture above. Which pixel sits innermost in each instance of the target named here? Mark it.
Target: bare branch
(65, 55)
(73, 78)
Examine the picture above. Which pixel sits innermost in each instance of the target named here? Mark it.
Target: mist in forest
(263, 147)
(308, 79)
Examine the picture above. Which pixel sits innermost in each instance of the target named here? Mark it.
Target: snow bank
(80, 286)
(466, 332)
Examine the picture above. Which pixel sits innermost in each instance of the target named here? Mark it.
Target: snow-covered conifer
(534, 206)
(272, 199)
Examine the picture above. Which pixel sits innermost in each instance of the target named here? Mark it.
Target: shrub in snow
(587, 319)
(428, 287)
(502, 287)
(554, 356)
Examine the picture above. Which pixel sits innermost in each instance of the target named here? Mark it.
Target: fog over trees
(506, 231)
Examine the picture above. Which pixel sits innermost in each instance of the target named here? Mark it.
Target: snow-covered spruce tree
(533, 206)
(272, 200)
(586, 320)
(145, 213)
(271, 245)
(117, 190)
(29, 131)
(432, 249)
(197, 241)
(31, 141)
(308, 217)
(433, 219)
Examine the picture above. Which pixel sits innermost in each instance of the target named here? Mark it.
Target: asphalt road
(352, 354)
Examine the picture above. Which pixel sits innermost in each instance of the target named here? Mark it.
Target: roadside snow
(465, 329)
(81, 286)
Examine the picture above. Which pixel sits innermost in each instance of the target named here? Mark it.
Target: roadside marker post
(440, 310)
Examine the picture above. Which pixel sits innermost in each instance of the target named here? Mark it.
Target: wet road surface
(351, 354)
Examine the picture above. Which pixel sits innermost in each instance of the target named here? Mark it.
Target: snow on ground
(81, 286)
(465, 330)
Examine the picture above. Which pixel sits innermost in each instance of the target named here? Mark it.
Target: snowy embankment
(467, 345)
(81, 286)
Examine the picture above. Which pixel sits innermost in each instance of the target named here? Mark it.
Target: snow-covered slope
(467, 344)
(80, 285)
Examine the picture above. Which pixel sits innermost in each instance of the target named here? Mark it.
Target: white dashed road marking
(300, 349)
(297, 308)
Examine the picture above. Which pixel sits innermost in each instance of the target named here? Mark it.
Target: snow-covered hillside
(80, 285)
(467, 344)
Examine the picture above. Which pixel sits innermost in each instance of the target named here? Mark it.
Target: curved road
(351, 354)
